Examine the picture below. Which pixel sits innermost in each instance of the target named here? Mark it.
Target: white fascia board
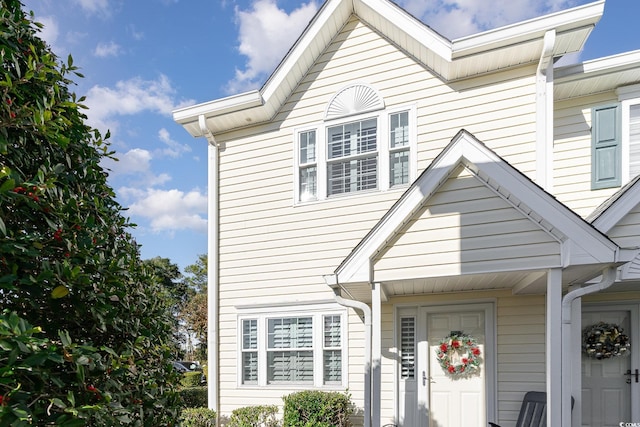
(620, 208)
(596, 67)
(414, 28)
(301, 46)
(578, 17)
(218, 107)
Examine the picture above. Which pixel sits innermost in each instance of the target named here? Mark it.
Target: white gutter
(213, 395)
(608, 278)
(332, 281)
(544, 112)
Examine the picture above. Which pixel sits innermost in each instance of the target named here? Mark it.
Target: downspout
(608, 278)
(544, 112)
(213, 394)
(332, 281)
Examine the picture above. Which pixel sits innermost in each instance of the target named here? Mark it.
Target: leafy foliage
(194, 311)
(198, 417)
(86, 329)
(254, 416)
(191, 379)
(315, 408)
(193, 397)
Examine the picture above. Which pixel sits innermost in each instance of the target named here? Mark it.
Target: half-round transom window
(354, 99)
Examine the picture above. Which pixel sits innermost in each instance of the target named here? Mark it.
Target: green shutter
(605, 147)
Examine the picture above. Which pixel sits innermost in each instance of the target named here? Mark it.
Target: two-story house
(437, 226)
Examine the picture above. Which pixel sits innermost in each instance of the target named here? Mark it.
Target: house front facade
(435, 226)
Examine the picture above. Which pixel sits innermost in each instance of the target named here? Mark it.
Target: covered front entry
(432, 396)
(471, 232)
(610, 386)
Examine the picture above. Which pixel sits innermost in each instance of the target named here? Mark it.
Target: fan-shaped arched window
(354, 99)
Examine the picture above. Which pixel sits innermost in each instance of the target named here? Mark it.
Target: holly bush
(86, 327)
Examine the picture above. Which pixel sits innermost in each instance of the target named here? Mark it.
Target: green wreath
(605, 340)
(459, 355)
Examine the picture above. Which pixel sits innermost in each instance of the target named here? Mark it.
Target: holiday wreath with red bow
(459, 355)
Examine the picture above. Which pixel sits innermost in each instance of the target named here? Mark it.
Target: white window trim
(382, 117)
(627, 96)
(317, 313)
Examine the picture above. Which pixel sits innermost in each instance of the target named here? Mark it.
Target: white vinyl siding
(275, 250)
(467, 228)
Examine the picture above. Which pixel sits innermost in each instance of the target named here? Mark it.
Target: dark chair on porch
(533, 412)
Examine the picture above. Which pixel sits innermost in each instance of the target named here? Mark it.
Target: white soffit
(597, 76)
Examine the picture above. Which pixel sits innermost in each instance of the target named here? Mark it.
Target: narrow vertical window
(399, 148)
(332, 353)
(407, 347)
(290, 350)
(308, 177)
(250, 351)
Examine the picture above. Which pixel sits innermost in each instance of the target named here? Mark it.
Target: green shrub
(198, 417)
(254, 416)
(191, 379)
(193, 397)
(317, 409)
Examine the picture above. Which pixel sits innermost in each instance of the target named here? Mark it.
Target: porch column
(376, 353)
(554, 347)
(576, 359)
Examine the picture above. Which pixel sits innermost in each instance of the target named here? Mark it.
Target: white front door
(454, 400)
(610, 388)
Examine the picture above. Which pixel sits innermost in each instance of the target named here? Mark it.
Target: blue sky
(144, 58)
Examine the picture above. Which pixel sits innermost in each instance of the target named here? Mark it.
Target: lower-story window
(302, 349)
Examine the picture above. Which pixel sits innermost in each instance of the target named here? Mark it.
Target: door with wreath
(453, 372)
(610, 388)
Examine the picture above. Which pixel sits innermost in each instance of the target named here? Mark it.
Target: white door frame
(490, 359)
(634, 338)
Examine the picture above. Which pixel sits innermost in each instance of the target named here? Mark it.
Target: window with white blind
(304, 349)
(407, 347)
(634, 140)
(367, 152)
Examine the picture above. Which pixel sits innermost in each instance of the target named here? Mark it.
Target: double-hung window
(355, 150)
(296, 349)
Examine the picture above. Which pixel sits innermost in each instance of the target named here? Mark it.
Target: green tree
(86, 326)
(194, 312)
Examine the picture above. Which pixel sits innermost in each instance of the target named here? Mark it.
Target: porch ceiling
(520, 282)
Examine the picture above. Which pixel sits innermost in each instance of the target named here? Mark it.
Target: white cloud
(171, 210)
(266, 34)
(94, 6)
(458, 18)
(104, 50)
(174, 148)
(135, 163)
(129, 97)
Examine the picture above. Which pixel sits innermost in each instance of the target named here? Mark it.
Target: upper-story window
(360, 146)
(616, 140)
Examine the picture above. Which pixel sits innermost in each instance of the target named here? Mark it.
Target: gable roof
(502, 48)
(616, 207)
(582, 244)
